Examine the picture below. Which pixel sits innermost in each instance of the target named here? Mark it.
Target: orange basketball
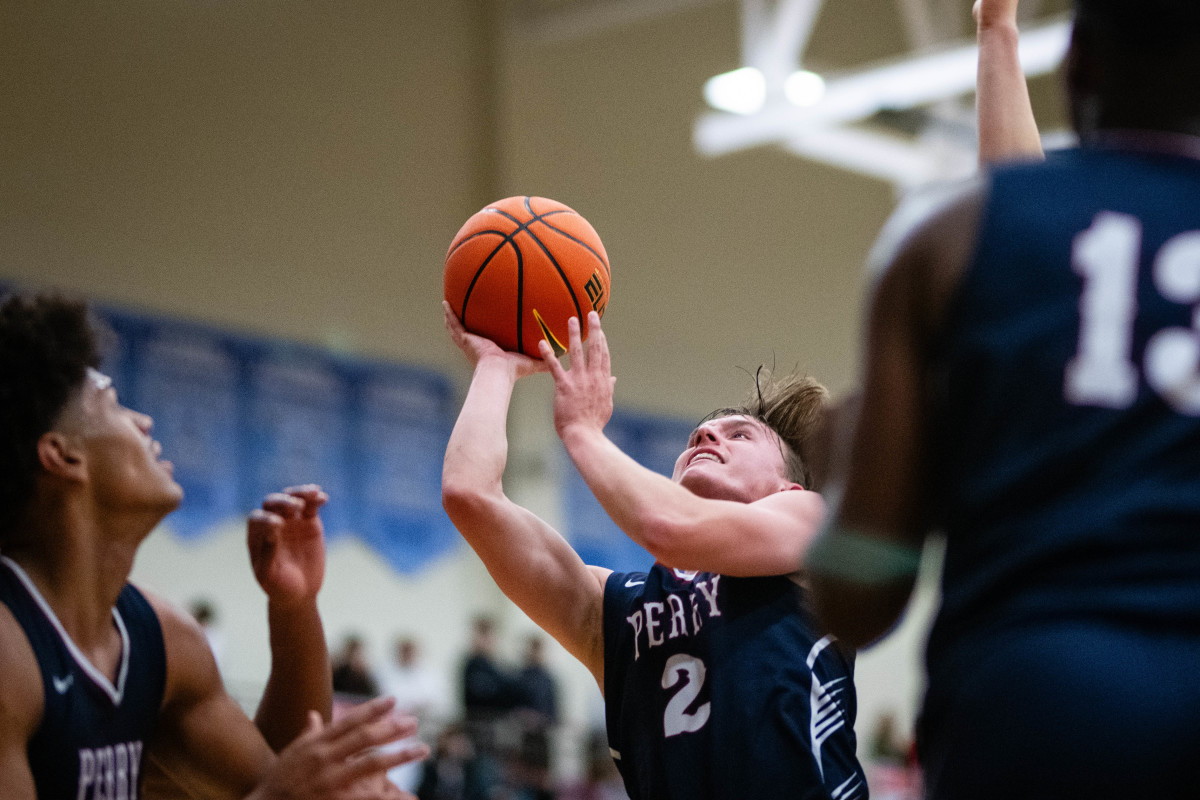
(520, 268)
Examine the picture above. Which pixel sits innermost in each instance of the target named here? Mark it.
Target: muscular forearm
(635, 497)
(300, 678)
(679, 528)
(1007, 128)
(478, 448)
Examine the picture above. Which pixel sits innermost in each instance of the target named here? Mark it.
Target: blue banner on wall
(652, 441)
(242, 417)
(187, 381)
(401, 427)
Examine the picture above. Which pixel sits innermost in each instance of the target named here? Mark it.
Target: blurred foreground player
(97, 678)
(1032, 389)
(716, 683)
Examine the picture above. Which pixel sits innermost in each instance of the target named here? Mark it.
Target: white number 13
(1102, 373)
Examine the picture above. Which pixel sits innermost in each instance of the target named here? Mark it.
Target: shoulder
(922, 252)
(191, 667)
(21, 692)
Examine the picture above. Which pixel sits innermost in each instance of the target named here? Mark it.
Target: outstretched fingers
(597, 345)
(368, 725)
(380, 761)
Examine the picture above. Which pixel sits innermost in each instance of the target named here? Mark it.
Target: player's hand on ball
(583, 394)
(476, 348)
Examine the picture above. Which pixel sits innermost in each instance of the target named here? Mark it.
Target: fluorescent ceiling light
(743, 91)
(804, 88)
(851, 98)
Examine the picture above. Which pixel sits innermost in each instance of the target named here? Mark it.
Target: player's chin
(701, 481)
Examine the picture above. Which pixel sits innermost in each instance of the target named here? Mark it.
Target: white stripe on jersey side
(824, 714)
(115, 693)
(851, 787)
(614, 754)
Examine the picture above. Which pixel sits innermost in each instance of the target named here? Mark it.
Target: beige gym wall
(297, 169)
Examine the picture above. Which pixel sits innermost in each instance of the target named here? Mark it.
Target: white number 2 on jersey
(676, 719)
(1102, 373)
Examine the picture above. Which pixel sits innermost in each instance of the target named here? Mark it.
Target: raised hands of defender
(343, 761)
(287, 544)
(583, 394)
(992, 13)
(476, 348)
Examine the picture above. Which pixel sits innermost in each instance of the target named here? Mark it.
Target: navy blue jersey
(90, 741)
(718, 687)
(1066, 468)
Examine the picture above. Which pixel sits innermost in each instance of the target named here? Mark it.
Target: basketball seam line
(585, 245)
(509, 239)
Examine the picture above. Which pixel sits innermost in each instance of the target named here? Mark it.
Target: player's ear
(61, 455)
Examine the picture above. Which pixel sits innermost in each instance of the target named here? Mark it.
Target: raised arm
(1007, 128)
(287, 552)
(679, 528)
(530, 561)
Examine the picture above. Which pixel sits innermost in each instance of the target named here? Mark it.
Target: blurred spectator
(537, 711)
(454, 771)
(419, 691)
(601, 780)
(891, 765)
(351, 672)
(205, 614)
(537, 688)
(885, 746)
(487, 691)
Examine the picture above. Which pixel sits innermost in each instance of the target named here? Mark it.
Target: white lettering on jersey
(710, 595)
(653, 611)
(649, 619)
(109, 773)
(678, 619)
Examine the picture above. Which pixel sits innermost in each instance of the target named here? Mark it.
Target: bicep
(204, 741)
(20, 709)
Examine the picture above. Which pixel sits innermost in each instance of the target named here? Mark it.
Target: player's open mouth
(705, 456)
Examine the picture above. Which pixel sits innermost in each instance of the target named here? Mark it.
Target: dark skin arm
(207, 745)
(884, 500)
(20, 708)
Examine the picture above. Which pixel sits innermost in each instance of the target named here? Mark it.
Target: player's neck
(78, 562)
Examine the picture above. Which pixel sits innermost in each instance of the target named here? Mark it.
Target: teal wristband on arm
(843, 553)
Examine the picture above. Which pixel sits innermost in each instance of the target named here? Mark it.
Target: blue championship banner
(401, 424)
(241, 417)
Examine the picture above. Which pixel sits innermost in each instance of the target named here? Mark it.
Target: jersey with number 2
(718, 687)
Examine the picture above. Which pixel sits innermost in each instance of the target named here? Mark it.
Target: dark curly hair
(47, 343)
(794, 407)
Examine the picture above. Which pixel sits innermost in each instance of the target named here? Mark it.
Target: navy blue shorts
(1065, 710)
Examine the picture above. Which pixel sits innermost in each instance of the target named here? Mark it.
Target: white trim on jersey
(115, 693)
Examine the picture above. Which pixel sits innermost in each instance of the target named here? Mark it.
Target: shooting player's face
(732, 458)
(121, 458)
